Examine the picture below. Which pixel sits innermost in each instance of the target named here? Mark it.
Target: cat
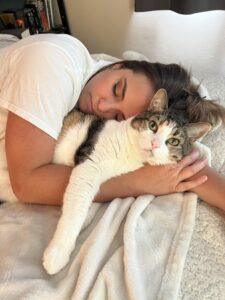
(101, 149)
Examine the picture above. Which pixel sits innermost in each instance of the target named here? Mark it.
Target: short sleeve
(41, 86)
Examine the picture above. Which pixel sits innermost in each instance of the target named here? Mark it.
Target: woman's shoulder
(50, 44)
(50, 39)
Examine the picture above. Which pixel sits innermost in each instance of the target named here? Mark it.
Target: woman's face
(116, 94)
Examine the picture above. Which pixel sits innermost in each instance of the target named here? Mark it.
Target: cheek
(145, 140)
(177, 153)
(161, 152)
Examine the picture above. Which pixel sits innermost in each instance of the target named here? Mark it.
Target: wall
(100, 24)
(197, 41)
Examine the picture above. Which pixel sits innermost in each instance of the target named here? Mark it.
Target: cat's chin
(147, 153)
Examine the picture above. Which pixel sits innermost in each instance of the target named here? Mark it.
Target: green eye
(153, 126)
(173, 142)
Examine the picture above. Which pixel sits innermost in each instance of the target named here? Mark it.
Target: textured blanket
(128, 249)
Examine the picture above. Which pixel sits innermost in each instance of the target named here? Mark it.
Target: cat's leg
(83, 186)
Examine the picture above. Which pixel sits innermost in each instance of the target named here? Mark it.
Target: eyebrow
(124, 88)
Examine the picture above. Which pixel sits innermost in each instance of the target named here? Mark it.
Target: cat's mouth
(148, 152)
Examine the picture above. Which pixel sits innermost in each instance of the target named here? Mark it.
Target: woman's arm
(29, 153)
(213, 190)
(156, 180)
(35, 179)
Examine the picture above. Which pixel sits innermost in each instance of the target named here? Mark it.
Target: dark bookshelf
(63, 15)
(32, 17)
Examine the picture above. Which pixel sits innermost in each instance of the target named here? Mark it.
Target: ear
(195, 131)
(159, 102)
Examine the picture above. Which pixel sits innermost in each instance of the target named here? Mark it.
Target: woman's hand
(177, 177)
(156, 180)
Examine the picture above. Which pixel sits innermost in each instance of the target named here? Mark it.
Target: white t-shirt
(41, 78)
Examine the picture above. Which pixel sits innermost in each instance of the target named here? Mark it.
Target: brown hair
(172, 77)
(183, 96)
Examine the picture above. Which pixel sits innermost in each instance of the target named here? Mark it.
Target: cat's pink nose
(155, 144)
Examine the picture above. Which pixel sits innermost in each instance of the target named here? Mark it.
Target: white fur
(65, 149)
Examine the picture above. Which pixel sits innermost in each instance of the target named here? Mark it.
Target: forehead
(165, 125)
(139, 93)
(167, 128)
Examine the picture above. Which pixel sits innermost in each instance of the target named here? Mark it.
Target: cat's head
(161, 136)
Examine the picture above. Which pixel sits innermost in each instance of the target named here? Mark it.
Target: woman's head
(124, 89)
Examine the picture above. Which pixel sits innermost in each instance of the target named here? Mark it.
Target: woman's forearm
(213, 190)
(44, 185)
(126, 185)
(156, 180)
(47, 184)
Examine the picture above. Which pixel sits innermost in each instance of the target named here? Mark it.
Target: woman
(42, 78)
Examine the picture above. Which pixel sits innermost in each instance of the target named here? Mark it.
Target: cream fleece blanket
(128, 249)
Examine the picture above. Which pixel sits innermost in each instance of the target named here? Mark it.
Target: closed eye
(115, 89)
(119, 88)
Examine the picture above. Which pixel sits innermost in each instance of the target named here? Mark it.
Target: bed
(168, 247)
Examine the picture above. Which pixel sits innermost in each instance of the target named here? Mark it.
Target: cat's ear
(196, 131)
(159, 102)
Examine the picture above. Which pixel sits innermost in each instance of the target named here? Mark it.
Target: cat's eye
(173, 142)
(153, 126)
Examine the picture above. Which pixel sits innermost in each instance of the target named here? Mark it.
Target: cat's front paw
(55, 257)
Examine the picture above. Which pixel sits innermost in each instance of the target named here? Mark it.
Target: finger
(189, 159)
(191, 170)
(188, 185)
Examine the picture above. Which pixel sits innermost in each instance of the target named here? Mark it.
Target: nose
(107, 105)
(155, 143)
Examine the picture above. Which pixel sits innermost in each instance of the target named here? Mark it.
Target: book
(37, 20)
(31, 21)
(49, 11)
(41, 12)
